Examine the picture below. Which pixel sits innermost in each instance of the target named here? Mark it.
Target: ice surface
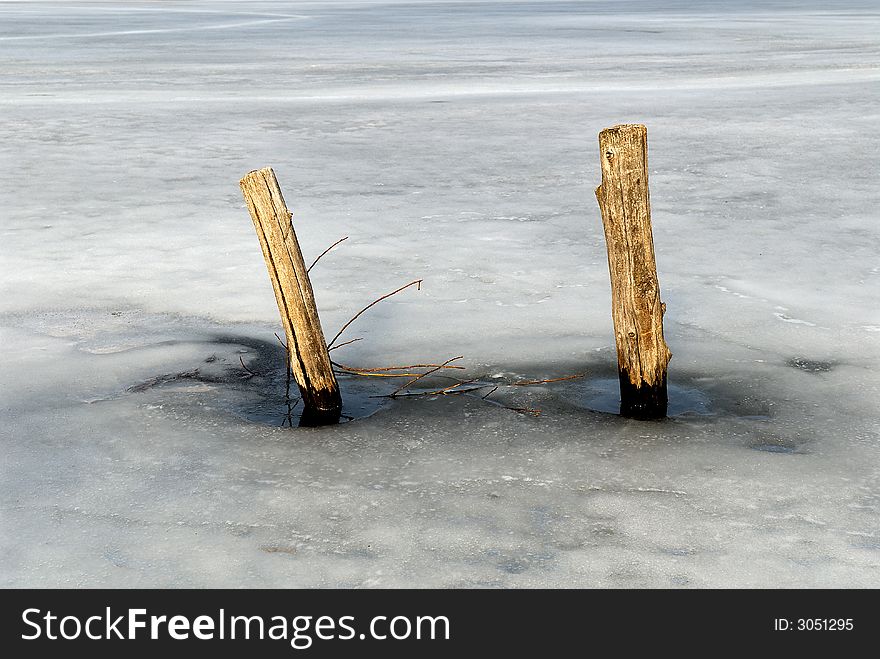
(454, 142)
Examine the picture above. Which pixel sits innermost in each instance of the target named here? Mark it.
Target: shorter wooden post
(307, 349)
(642, 354)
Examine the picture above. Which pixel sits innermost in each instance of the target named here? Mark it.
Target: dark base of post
(642, 402)
(315, 418)
(320, 410)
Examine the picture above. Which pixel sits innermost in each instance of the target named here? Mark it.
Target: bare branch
(525, 383)
(425, 374)
(397, 368)
(324, 252)
(414, 394)
(251, 374)
(417, 282)
(288, 374)
(345, 343)
(520, 410)
(357, 371)
(452, 387)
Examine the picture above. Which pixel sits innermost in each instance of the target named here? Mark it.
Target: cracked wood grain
(307, 349)
(624, 200)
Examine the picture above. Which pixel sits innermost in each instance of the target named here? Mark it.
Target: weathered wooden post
(642, 354)
(307, 349)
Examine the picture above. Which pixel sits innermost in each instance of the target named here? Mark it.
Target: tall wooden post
(307, 349)
(642, 354)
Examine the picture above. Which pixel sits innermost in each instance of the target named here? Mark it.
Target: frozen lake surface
(454, 142)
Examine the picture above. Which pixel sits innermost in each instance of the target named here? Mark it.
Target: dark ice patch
(251, 382)
(603, 395)
(775, 448)
(810, 365)
(773, 444)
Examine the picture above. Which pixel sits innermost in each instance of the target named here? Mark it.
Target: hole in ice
(603, 395)
(270, 406)
(248, 380)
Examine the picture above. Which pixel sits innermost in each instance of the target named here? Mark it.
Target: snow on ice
(454, 142)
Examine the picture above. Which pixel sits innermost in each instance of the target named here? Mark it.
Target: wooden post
(642, 354)
(307, 349)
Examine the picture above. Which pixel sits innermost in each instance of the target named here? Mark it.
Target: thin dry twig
(345, 343)
(417, 282)
(370, 374)
(521, 410)
(453, 390)
(290, 407)
(525, 383)
(458, 387)
(452, 387)
(414, 394)
(251, 374)
(396, 368)
(425, 374)
(288, 375)
(309, 269)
